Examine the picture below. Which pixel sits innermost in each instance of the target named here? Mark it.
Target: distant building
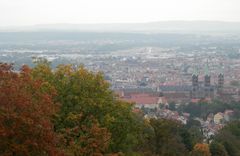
(218, 118)
(220, 83)
(143, 100)
(176, 93)
(199, 90)
(195, 86)
(204, 89)
(228, 114)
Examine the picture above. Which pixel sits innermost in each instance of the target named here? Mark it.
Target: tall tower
(195, 80)
(220, 80)
(207, 82)
(220, 83)
(195, 85)
(207, 77)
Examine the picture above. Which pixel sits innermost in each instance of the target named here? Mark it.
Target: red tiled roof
(142, 99)
(195, 100)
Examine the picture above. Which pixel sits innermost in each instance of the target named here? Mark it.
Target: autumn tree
(26, 110)
(201, 150)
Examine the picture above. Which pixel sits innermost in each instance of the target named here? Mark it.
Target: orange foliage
(25, 113)
(201, 149)
(87, 139)
(96, 141)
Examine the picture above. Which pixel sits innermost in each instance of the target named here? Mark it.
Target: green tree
(229, 137)
(85, 94)
(217, 149)
(167, 138)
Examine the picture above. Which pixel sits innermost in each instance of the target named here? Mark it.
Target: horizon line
(96, 23)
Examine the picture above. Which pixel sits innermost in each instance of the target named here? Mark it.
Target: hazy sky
(30, 12)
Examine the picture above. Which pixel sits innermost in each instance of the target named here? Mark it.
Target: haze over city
(120, 78)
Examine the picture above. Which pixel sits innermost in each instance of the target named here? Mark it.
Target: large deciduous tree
(86, 96)
(26, 109)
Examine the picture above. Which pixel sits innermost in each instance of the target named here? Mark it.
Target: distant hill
(151, 27)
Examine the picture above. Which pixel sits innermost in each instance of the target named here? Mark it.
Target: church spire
(195, 71)
(207, 78)
(206, 69)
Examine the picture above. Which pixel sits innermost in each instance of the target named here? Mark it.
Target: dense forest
(71, 111)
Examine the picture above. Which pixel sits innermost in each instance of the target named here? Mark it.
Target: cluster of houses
(168, 114)
(215, 122)
(150, 104)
